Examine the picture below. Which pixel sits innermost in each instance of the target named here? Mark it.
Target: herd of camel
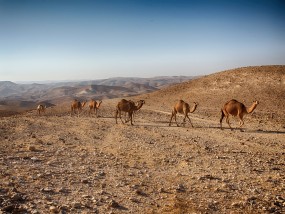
(232, 107)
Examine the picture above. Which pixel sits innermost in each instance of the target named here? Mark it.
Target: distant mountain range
(26, 96)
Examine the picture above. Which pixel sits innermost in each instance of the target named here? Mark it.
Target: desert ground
(61, 163)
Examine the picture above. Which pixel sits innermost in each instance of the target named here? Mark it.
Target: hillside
(62, 163)
(265, 84)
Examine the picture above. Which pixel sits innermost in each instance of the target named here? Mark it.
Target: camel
(182, 108)
(77, 105)
(129, 107)
(235, 108)
(135, 103)
(94, 105)
(41, 108)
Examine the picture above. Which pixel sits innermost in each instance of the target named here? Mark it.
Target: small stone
(39, 141)
(84, 181)
(61, 139)
(35, 159)
(134, 200)
(53, 209)
(114, 204)
(32, 148)
(46, 189)
(76, 205)
(180, 188)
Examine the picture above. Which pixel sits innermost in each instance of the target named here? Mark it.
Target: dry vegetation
(69, 164)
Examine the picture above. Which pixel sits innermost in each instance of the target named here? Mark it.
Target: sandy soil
(66, 164)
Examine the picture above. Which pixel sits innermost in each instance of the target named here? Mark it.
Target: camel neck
(251, 108)
(193, 109)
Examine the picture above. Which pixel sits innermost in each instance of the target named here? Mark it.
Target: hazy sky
(84, 39)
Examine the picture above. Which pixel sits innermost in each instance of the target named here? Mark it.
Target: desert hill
(263, 83)
(62, 163)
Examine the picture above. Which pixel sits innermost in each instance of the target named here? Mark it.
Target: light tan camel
(77, 105)
(182, 108)
(236, 108)
(129, 107)
(41, 108)
(94, 105)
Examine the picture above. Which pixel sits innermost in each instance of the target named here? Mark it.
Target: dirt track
(59, 163)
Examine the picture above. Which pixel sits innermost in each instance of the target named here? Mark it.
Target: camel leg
(131, 117)
(184, 120)
(240, 120)
(228, 121)
(189, 120)
(171, 118)
(221, 119)
(120, 115)
(175, 119)
(126, 119)
(116, 115)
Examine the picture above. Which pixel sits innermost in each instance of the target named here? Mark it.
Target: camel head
(84, 102)
(252, 107)
(140, 103)
(99, 103)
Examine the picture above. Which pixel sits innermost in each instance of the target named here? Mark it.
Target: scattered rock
(32, 148)
(114, 204)
(53, 209)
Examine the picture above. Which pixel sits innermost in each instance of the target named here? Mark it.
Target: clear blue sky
(68, 39)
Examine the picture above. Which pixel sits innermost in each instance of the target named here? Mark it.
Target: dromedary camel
(77, 105)
(134, 112)
(94, 105)
(182, 108)
(41, 108)
(236, 108)
(129, 107)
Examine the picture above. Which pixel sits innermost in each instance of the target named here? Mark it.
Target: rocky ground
(66, 164)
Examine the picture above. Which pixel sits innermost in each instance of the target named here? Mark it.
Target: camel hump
(124, 100)
(233, 101)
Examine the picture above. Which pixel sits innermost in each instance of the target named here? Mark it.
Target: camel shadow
(260, 131)
(165, 124)
(266, 131)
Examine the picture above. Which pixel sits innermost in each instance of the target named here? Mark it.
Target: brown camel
(94, 105)
(236, 108)
(77, 105)
(182, 108)
(129, 107)
(133, 115)
(41, 108)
